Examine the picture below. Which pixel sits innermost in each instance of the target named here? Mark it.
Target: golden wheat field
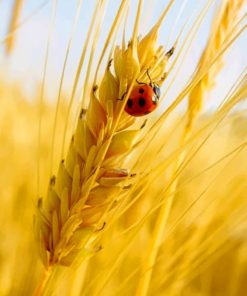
(123, 127)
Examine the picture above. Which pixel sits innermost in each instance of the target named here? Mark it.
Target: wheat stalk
(94, 176)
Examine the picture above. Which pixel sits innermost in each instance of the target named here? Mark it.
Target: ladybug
(143, 99)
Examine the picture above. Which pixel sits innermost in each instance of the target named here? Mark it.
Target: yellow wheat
(156, 205)
(95, 175)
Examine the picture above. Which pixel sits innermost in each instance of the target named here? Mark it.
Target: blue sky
(26, 62)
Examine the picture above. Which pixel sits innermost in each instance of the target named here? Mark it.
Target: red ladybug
(143, 99)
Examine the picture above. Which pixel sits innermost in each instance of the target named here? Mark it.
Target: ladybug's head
(156, 90)
(155, 87)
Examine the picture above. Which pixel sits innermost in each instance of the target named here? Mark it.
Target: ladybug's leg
(122, 97)
(142, 83)
(150, 79)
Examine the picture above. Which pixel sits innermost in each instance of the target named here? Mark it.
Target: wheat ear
(223, 26)
(93, 176)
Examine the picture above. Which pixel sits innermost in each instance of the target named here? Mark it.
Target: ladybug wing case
(142, 101)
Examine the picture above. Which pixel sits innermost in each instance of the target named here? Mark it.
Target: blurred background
(32, 31)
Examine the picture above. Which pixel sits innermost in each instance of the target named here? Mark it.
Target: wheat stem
(43, 281)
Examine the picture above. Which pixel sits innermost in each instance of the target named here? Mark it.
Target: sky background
(26, 63)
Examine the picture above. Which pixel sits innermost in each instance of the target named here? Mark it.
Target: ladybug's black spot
(130, 103)
(142, 102)
(141, 90)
